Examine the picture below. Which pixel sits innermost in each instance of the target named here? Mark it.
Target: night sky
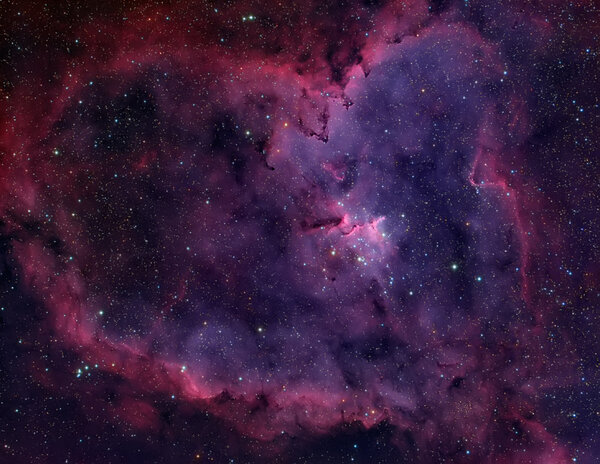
(300, 232)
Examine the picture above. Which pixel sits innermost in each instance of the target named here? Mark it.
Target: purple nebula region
(299, 232)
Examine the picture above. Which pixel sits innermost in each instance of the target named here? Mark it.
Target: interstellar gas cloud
(325, 232)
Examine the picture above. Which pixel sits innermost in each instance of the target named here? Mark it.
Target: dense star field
(300, 232)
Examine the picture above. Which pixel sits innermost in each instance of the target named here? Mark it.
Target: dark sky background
(299, 232)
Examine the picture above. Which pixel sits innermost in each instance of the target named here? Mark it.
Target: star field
(299, 232)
